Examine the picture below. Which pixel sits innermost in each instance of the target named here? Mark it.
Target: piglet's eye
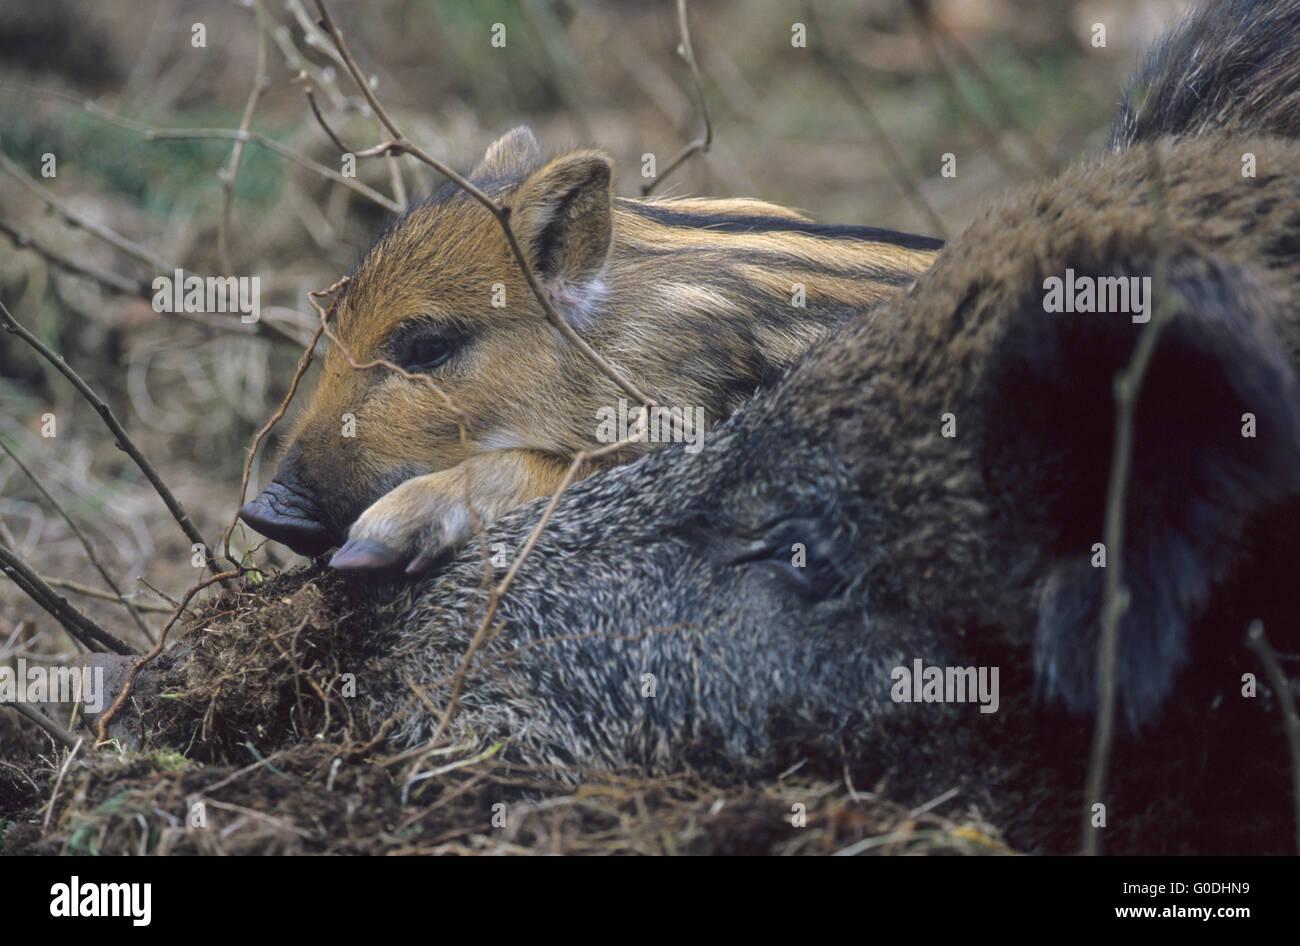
(427, 351)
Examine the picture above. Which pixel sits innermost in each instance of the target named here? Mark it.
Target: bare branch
(74, 622)
(124, 442)
(305, 80)
(159, 592)
(831, 63)
(295, 61)
(701, 144)
(155, 133)
(51, 728)
(90, 592)
(231, 173)
(345, 59)
(109, 236)
(395, 176)
(85, 542)
(1258, 642)
(106, 278)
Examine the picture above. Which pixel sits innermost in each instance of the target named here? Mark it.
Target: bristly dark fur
(1230, 66)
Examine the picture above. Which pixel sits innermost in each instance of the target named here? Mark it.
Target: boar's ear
(563, 217)
(514, 155)
(1216, 442)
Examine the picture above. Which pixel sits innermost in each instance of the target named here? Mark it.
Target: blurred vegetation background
(1012, 88)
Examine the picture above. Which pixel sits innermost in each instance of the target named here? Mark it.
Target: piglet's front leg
(426, 516)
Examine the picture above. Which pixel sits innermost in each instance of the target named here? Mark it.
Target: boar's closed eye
(798, 551)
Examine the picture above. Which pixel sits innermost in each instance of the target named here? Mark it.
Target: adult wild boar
(928, 483)
(697, 301)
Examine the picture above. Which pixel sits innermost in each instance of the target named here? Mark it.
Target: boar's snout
(288, 512)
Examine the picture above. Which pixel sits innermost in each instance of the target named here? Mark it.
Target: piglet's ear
(1216, 443)
(562, 215)
(514, 155)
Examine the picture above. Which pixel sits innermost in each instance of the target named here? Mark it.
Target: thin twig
(395, 177)
(63, 770)
(108, 235)
(155, 133)
(305, 79)
(1127, 386)
(294, 60)
(314, 34)
(102, 726)
(51, 728)
(124, 442)
(303, 363)
(580, 460)
(77, 624)
(172, 602)
(703, 143)
(394, 172)
(231, 174)
(106, 278)
(345, 59)
(143, 289)
(105, 596)
(81, 536)
(1258, 642)
(831, 63)
(1008, 116)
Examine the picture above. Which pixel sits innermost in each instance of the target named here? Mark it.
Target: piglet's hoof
(362, 554)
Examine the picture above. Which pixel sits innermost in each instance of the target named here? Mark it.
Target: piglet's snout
(287, 512)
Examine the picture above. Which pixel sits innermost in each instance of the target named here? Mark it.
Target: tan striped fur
(693, 299)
